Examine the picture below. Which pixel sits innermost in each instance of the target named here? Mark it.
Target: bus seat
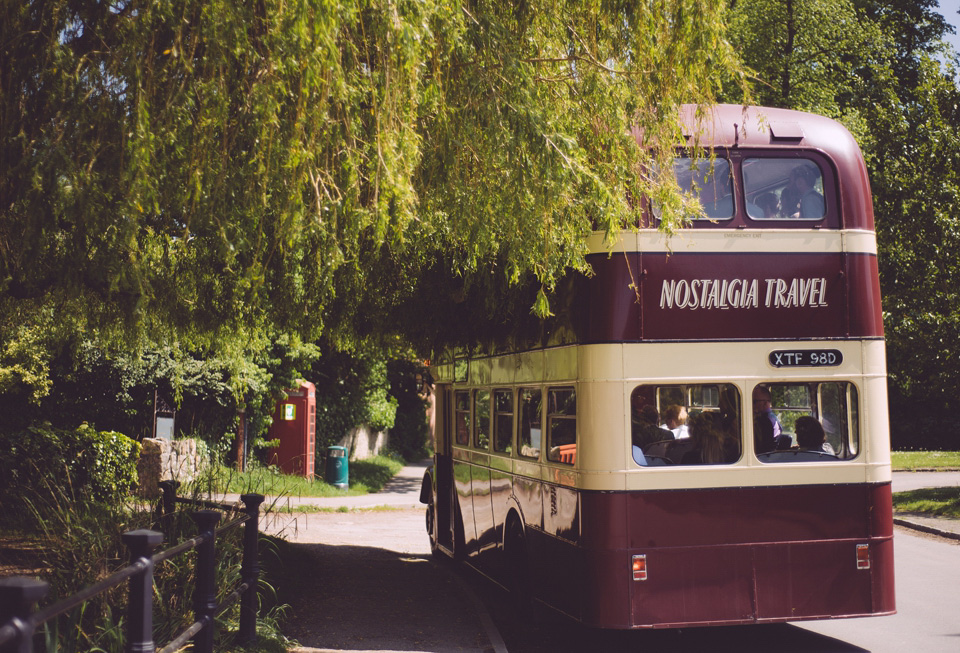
(567, 453)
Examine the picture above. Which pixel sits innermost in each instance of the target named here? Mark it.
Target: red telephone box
(294, 425)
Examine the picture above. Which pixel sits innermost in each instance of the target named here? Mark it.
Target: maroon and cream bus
(705, 441)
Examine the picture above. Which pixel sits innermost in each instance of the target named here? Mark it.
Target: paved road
(370, 585)
(905, 481)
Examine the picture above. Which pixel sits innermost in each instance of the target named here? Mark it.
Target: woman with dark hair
(709, 440)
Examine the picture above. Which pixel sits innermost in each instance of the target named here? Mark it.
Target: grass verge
(365, 477)
(935, 501)
(912, 461)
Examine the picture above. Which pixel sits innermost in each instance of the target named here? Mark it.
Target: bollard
(18, 598)
(250, 569)
(141, 544)
(205, 605)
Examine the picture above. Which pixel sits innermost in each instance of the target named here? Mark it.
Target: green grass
(365, 477)
(938, 501)
(911, 461)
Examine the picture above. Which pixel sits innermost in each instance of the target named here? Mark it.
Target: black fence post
(18, 598)
(141, 544)
(168, 504)
(205, 606)
(250, 569)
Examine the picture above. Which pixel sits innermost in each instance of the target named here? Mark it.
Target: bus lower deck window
(813, 421)
(691, 424)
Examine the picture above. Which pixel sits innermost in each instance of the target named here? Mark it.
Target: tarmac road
(370, 584)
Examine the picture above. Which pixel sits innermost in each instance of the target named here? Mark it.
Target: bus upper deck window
(784, 189)
(710, 181)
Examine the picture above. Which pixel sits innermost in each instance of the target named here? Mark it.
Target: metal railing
(19, 596)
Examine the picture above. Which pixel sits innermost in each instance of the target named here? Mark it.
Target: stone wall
(363, 443)
(162, 460)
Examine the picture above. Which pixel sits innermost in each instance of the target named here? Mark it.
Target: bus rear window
(709, 181)
(689, 424)
(783, 189)
(806, 422)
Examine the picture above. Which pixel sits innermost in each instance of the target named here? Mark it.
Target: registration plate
(806, 358)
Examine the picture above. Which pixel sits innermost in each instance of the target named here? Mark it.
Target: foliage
(351, 391)
(202, 175)
(99, 466)
(939, 501)
(410, 435)
(77, 542)
(881, 68)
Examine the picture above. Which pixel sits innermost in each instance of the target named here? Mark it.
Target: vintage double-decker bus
(705, 441)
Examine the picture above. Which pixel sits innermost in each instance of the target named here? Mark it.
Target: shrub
(95, 465)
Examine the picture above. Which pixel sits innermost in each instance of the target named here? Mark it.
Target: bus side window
(503, 421)
(481, 422)
(562, 425)
(529, 424)
(462, 412)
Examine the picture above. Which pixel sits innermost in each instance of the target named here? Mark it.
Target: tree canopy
(882, 68)
(211, 174)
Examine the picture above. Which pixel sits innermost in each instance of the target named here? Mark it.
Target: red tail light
(639, 567)
(863, 556)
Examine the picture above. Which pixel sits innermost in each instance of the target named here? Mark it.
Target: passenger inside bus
(711, 444)
(644, 429)
(768, 206)
(766, 426)
(675, 421)
(811, 436)
(810, 206)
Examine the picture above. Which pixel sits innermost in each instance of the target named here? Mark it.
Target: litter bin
(337, 472)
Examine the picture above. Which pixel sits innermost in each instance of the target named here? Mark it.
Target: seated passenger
(644, 429)
(810, 435)
(675, 421)
(769, 205)
(709, 440)
(766, 426)
(811, 202)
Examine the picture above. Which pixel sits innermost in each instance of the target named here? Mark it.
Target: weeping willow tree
(210, 171)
